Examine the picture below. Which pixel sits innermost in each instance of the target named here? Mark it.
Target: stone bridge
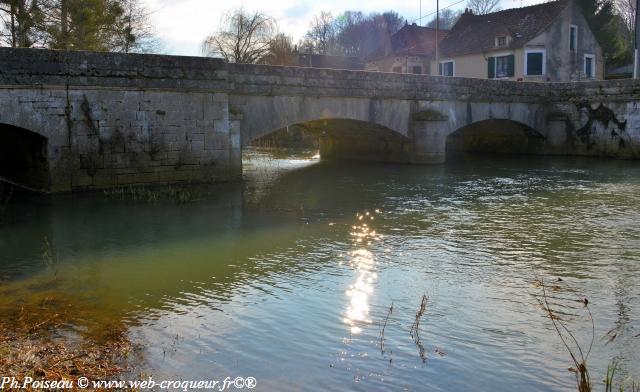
(82, 120)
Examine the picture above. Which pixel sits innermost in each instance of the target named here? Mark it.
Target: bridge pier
(429, 132)
(558, 134)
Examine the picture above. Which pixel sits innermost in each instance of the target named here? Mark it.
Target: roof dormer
(502, 41)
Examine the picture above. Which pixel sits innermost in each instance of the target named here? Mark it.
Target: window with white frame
(535, 62)
(447, 68)
(502, 67)
(590, 65)
(501, 41)
(573, 38)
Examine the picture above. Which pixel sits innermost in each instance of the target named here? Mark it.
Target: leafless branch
(481, 7)
(244, 37)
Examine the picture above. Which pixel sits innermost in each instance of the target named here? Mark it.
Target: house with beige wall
(410, 50)
(545, 42)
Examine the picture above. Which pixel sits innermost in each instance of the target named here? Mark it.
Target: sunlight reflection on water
(287, 278)
(363, 261)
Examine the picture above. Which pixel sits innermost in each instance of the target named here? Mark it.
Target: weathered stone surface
(122, 119)
(427, 110)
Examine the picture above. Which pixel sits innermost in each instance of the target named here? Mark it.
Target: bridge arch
(23, 157)
(504, 136)
(343, 138)
(261, 115)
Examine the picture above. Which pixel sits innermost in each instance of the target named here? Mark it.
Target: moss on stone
(429, 115)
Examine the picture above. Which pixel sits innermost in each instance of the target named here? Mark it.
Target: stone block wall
(143, 137)
(248, 79)
(598, 118)
(123, 119)
(120, 120)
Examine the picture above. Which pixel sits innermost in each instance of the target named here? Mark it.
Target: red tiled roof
(411, 40)
(477, 33)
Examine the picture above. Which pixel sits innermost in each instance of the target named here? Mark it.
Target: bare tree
(135, 32)
(352, 29)
(322, 33)
(447, 19)
(305, 46)
(244, 37)
(281, 51)
(481, 7)
(358, 35)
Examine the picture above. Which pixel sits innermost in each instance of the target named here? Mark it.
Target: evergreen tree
(20, 20)
(606, 25)
(100, 25)
(85, 24)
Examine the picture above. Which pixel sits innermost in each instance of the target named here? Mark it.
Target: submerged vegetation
(179, 194)
(414, 331)
(34, 349)
(384, 326)
(571, 344)
(579, 354)
(39, 338)
(415, 327)
(48, 335)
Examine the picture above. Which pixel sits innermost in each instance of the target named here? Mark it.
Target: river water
(290, 276)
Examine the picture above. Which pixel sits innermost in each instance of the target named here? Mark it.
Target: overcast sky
(183, 24)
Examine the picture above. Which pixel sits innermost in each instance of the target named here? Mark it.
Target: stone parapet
(33, 67)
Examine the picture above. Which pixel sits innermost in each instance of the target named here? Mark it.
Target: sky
(182, 25)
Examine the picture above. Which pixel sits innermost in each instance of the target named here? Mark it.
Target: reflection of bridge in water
(77, 120)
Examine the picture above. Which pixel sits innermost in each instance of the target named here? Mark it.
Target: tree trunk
(14, 40)
(23, 25)
(64, 24)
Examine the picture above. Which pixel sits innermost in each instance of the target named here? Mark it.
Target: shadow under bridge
(344, 139)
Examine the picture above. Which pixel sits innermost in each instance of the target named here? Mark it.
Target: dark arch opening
(294, 136)
(23, 158)
(495, 136)
(345, 139)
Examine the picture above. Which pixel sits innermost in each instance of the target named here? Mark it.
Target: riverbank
(47, 335)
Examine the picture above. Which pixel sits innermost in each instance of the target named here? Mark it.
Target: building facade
(546, 42)
(410, 50)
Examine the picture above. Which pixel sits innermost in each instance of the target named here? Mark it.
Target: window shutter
(440, 69)
(491, 68)
(588, 66)
(573, 35)
(534, 63)
(511, 65)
